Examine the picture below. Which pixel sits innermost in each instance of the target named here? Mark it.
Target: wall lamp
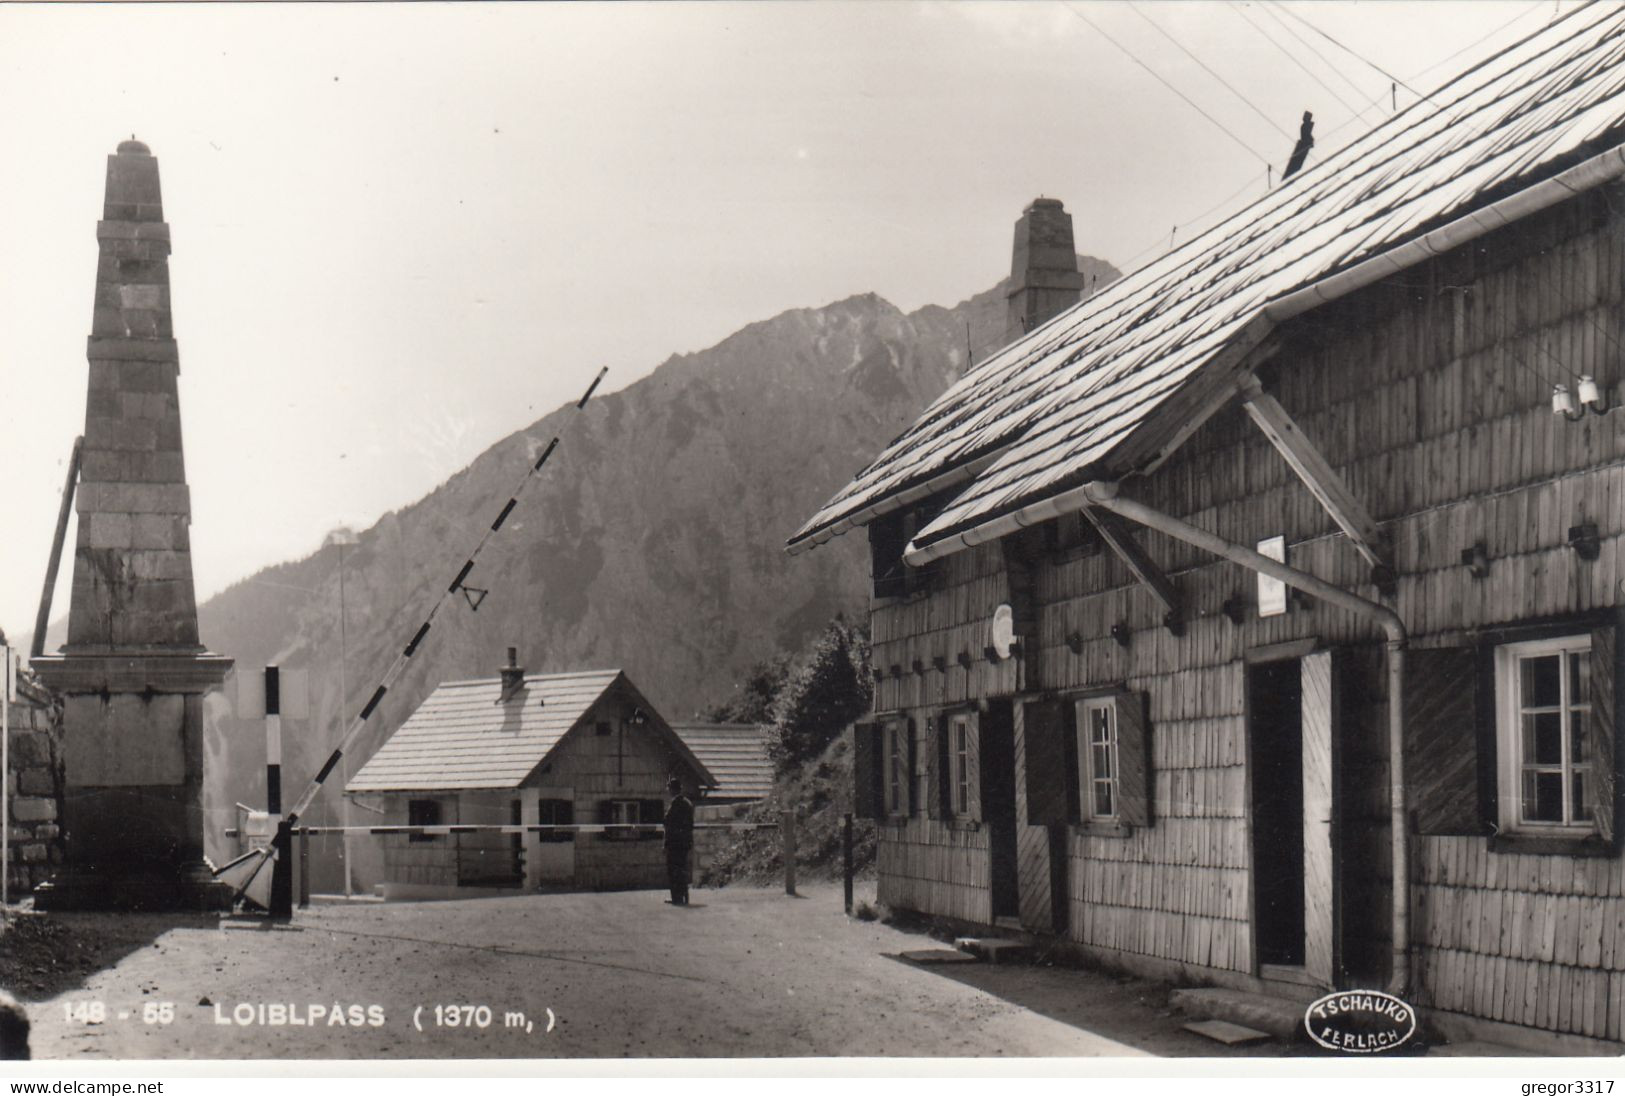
(1585, 541)
(1590, 399)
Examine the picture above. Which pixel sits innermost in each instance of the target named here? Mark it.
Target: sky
(402, 232)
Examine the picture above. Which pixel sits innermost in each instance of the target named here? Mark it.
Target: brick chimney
(1043, 268)
(513, 677)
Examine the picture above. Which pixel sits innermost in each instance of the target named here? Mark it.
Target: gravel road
(740, 973)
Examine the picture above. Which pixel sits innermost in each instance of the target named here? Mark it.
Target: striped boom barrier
(447, 830)
(242, 879)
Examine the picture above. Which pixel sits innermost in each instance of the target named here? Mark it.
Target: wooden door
(556, 852)
(1319, 803)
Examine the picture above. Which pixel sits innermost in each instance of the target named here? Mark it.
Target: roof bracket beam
(1322, 480)
(1117, 535)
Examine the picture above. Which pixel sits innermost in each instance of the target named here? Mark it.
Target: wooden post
(43, 620)
(787, 834)
(846, 860)
(282, 866)
(304, 868)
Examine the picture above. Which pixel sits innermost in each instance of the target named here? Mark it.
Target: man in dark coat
(679, 824)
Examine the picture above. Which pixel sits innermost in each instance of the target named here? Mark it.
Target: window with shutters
(1097, 759)
(1544, 736)
(1108, 779)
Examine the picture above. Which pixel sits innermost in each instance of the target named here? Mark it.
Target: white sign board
(1272, 591)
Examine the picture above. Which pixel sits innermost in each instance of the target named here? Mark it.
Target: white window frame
(960, 744)
(619, 809)
(1510, 710)
(898, 776)
(1088, 780)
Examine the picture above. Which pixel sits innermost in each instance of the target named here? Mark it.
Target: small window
(556, 812)
(601, 728)
(1097, 759)
(1071, 532)
(889, 537)
(1543, 735)
(899, 768)
(959, 747)
(423, 812)
(622, 812)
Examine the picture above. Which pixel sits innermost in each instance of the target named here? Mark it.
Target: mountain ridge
(653, 541)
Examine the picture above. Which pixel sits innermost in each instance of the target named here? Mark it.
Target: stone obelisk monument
(133, 672)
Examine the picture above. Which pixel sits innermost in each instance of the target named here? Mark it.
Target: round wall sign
(1003, 633)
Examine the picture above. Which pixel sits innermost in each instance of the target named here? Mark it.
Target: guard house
(1254, 621)
(533, 749)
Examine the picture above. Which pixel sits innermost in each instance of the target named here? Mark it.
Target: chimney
(1043, 268)
(513, 677)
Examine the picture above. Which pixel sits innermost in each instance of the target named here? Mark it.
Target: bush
(822, 697)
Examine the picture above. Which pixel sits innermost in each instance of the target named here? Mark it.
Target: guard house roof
(1099, 391)
(461, 738)
(736, 754)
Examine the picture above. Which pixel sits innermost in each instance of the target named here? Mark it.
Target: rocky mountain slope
(653, 542)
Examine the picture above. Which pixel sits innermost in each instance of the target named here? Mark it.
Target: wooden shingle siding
(951, 620)
(590, 764)
(931, 866)
(1553, 925)
(1420, 393)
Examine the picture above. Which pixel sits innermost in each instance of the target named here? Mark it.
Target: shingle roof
(461, 738)
(1048, 411)
(736, 754)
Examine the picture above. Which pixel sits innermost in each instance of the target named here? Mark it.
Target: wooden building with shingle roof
(530, 749)
(1255, 620)
(735, 754)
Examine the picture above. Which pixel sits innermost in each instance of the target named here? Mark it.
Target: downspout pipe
(1105, 495)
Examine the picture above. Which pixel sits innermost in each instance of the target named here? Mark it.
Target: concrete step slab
(936, 956)
(995, 949)
(1231, 1035)
(1280, 1018)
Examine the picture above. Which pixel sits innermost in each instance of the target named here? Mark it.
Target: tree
(754, 698)
(825, 694)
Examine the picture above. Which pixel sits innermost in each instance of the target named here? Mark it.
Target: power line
(1180, 46)
(1478, 41)
(1359, 92)
(1350, 52)
(1313, 75)
(1248, 185)
(1189, 101)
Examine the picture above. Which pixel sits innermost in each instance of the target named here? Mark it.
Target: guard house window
(423, 812)
(1097, 759)
(959, 747)
(556, 812)
(620, 812)
(1544, 732)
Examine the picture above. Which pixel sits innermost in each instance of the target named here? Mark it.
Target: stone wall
(34, 784)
